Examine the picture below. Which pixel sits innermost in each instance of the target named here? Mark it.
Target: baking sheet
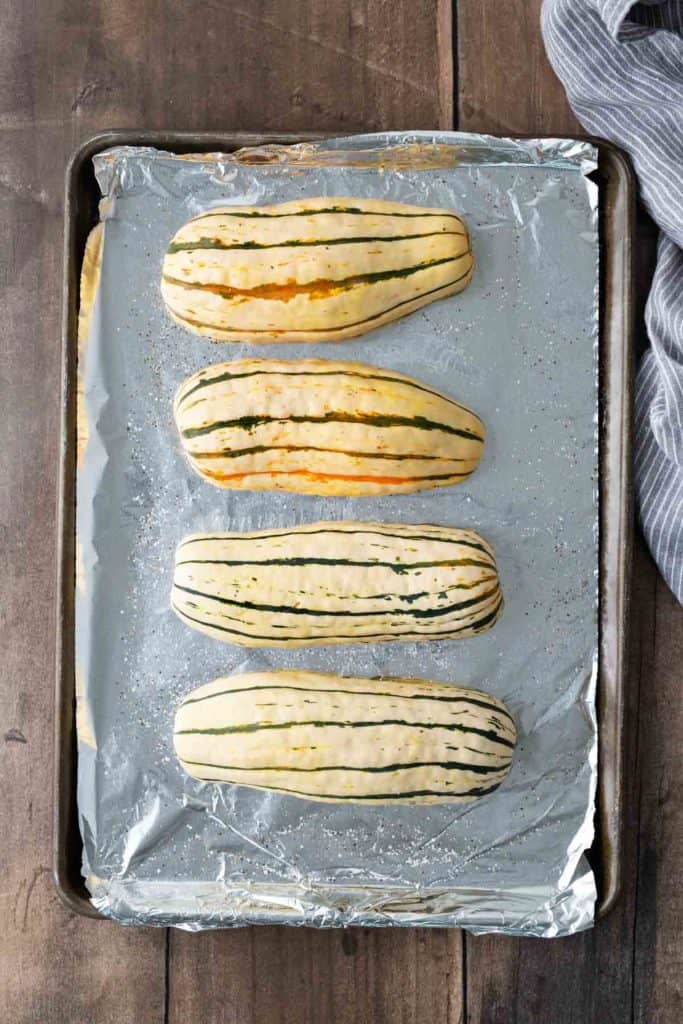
(519, 346)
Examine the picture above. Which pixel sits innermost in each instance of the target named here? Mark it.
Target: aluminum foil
(519, 346)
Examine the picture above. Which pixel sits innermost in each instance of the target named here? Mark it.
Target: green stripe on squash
(275, 599)
(357, 751)
(348, 272)
(316, 427)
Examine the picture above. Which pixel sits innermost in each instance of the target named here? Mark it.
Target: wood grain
(658, 959)
(505, 83)
(263, 64)
(301, 975)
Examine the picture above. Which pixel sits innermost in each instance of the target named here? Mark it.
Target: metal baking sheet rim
(616, 494)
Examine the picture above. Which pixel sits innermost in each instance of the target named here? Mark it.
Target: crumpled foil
(520, 347)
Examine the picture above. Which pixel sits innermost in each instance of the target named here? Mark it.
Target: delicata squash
(331, 738)
(318, 269)
(323, 427)
(337, 582)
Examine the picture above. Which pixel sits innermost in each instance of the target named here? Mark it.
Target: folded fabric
(621, 64)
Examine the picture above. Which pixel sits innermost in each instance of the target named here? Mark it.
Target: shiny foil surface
(519, 346)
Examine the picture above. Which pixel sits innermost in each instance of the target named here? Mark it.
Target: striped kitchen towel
(621, 64)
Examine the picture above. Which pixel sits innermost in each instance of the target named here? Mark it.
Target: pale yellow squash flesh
(335, 583)
(321, 427)
(319, 269)
(340, 739)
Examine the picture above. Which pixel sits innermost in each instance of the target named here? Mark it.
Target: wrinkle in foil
(520, 347)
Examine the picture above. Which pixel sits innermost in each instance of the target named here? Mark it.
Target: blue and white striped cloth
(621, 64)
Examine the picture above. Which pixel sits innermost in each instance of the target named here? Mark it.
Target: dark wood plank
(658, 962)
(505, 83)
(264, 64)
(301, 976)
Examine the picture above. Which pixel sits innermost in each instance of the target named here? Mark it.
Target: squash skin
(336, 739)
(318, 269)
(315, 426)
(337, 582)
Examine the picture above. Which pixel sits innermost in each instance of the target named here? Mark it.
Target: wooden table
(69, 69)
